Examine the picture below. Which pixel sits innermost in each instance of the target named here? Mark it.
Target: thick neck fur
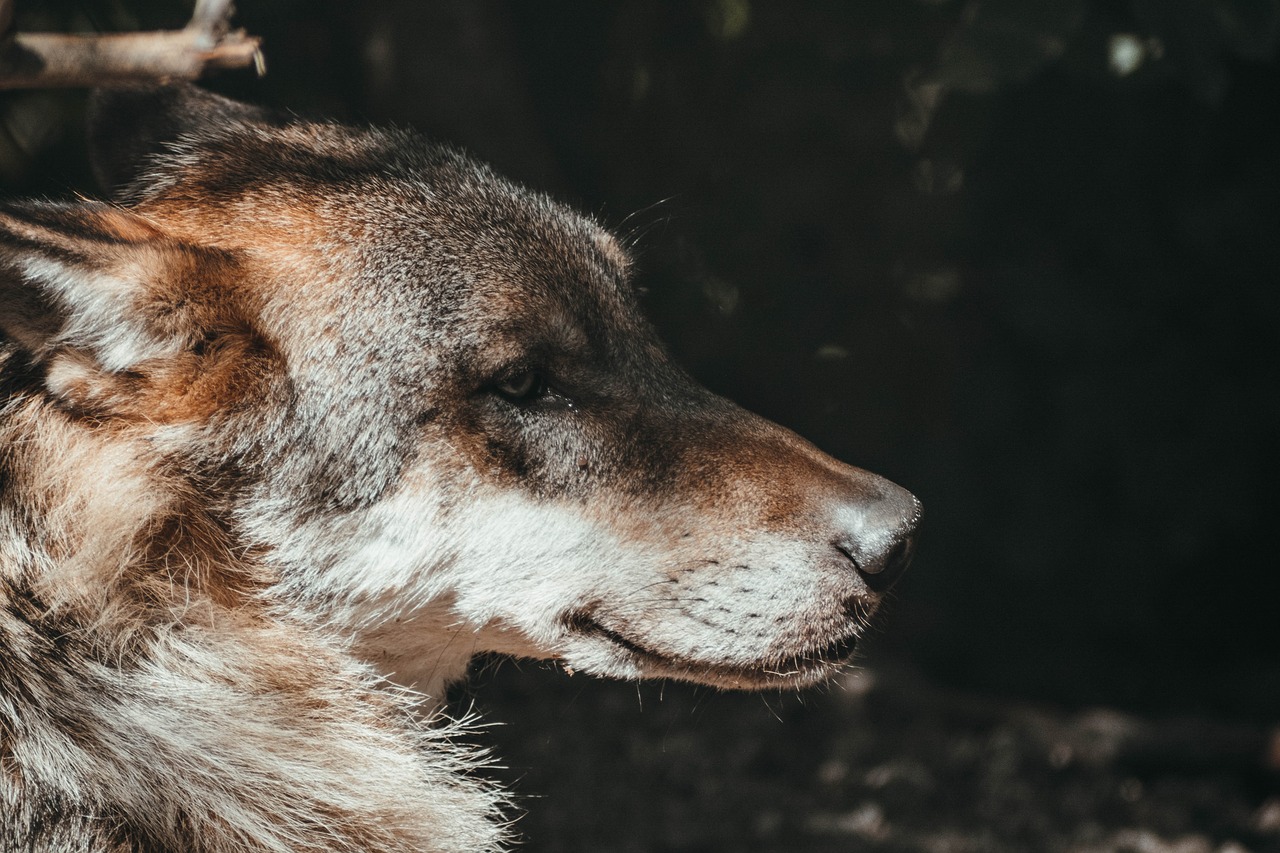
(147, 675)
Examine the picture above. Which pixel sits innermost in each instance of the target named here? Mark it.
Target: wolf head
(425, 399)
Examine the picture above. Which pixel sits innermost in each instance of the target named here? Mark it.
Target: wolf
(304, 418)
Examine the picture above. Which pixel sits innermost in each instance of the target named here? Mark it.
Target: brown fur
(305, 418)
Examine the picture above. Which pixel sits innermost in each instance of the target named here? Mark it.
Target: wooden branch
(47, 60)
(211, 15)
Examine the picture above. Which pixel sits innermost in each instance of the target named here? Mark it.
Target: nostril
(881, 571)
(892, 567)
(898, 559)
(848, 552)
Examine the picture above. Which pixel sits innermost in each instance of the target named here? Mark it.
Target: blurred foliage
(1019, 255)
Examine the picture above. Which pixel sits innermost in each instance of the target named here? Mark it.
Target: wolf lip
(800, 665)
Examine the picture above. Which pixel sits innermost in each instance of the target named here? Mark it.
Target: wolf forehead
(382, 191)
(367, 231)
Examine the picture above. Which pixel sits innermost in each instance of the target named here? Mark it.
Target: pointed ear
(128, 126)
(124, 320)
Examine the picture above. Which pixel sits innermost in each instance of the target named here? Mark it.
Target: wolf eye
(523, 387)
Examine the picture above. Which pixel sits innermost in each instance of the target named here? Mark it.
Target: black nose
(879, 535)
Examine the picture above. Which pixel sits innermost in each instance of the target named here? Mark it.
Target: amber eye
(523, 387)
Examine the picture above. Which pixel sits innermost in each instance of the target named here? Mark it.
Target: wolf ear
(128, 126)
(66, 277)
(123, 319)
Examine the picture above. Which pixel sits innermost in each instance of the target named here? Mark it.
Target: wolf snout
(878, 537)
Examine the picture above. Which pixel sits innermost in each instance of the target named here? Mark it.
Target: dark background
(962, 244)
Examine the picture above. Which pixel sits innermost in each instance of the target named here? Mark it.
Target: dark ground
(1018, 255)
(882, 760)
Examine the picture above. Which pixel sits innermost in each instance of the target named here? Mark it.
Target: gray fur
(306, 418)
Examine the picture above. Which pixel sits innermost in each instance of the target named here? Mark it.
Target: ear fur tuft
(123, 318)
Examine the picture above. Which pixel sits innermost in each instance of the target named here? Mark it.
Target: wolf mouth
(803, 667)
